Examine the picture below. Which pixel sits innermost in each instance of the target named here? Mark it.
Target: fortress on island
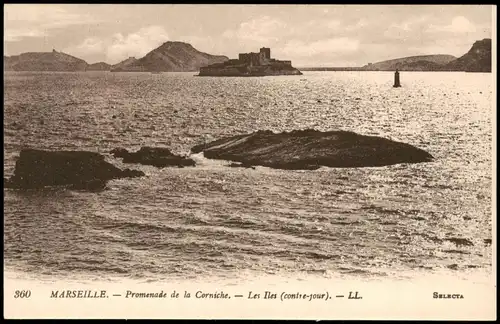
(251, 64)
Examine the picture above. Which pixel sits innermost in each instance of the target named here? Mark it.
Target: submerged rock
(76, 169)
(311, 149)
(156, 156)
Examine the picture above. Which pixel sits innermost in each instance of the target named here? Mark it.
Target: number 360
(22, 294)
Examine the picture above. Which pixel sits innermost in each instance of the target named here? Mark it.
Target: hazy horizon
(308, 35)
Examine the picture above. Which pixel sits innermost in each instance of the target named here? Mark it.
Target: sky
(308, 35)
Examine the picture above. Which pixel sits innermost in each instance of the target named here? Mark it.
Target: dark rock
(156, 156)
(78, 169)
(460, 241)
(119, 152)
(311, 149)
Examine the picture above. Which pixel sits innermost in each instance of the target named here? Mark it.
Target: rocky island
(80, 170)
(251, 64)
(311, 149)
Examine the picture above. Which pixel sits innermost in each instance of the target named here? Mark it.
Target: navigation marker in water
(396, 80)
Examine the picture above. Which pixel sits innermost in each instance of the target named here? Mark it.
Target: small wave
(456, 251)
(139, 227)
(317, 271)
(353, 270)
(201, 160)
(356, 222)
(382, 210)
(239, 222)
(321, 256)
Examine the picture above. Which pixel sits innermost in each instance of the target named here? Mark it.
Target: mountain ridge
(174, 56)
(477, 59)
(44, 61)
(171, 56)
(177, 56)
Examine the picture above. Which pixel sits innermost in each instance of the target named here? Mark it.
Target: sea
(214, 222)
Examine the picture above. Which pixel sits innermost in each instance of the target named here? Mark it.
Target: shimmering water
(214, 221)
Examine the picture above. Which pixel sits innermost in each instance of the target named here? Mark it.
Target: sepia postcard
(318, 162)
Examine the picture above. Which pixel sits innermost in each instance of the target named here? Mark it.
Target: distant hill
(100, 66)
(124, 65)
(8, 63)
(412, 63)
(44, 61)
(477, 59)
(174, 57)
(170, 56)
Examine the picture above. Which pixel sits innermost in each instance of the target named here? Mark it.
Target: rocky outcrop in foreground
(75, 169)
(155, 156)
(311, 149)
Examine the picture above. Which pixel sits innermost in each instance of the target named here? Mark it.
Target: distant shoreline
(339, 69)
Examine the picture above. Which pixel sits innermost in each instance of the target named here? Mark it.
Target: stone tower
(266, 52)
